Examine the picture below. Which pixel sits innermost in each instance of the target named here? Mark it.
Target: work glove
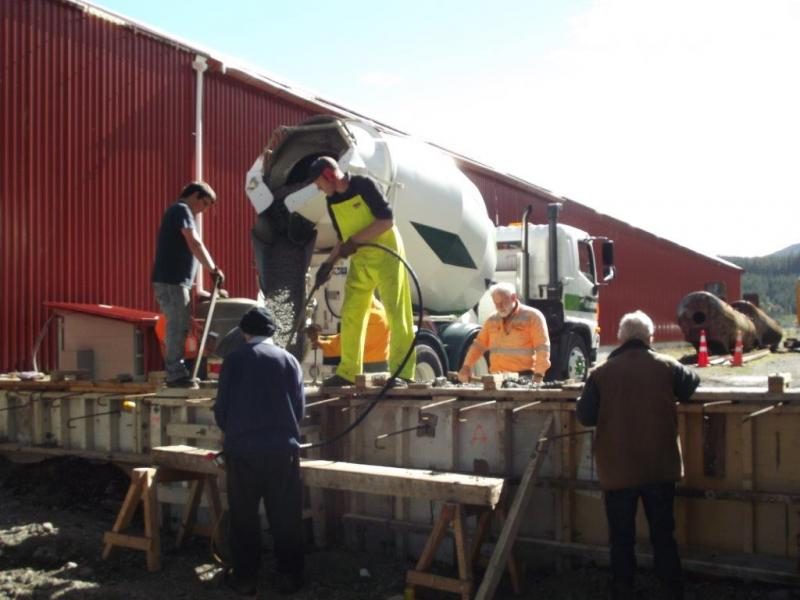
(348, 248)
(323, 274)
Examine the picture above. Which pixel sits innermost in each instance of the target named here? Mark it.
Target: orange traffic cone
(702, 352)
(737, 350)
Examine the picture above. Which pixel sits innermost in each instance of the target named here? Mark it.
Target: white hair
(505, 288)
(636, 325)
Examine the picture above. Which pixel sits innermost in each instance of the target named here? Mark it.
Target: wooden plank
(402, 506)
(372, 479)
(682, 506)
(185, 458)
(435, 538)
(505, 543)
(151, 520)
(464, 565)
(438, 582)
(492, 382)
(568, 471)
(190, 511)
(412, 483)
(111, 539)
(748, 524)
(505, 441)
(116, 457)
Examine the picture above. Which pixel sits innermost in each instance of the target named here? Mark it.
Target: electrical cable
(389, 382)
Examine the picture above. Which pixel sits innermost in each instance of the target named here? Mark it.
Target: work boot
(184, 382)
(240, 587)
(336, 381)
(399, 383)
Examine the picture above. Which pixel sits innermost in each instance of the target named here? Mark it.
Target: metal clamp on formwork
(542, 441)
(425, 428)
(763, 411)
(16, 406)
(62, 398)
(706, 405)
(473, 406)
(127, 405)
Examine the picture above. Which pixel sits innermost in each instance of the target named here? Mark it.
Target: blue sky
(680, 117)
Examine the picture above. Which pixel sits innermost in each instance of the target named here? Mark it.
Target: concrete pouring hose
(389, 382)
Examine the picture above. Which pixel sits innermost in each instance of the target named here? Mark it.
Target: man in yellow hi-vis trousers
(360, 213)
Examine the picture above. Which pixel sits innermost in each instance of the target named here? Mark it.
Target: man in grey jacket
(631, 400)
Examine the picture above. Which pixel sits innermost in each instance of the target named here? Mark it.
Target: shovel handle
(206, 327)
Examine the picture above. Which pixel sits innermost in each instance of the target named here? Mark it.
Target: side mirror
(608, 253)
(608, 261)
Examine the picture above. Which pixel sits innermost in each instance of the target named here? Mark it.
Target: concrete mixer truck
(451, 243)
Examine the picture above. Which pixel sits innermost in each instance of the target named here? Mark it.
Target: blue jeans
(174, 303)
(658, 500)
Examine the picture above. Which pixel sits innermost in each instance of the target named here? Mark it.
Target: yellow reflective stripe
(500, 350)
(542, 348)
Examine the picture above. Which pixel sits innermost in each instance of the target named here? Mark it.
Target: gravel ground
(50, 549)
(54, 514)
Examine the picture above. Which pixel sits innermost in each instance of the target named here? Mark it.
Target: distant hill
(773, 278)
(788, 251)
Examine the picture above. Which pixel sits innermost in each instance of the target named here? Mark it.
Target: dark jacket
(260, 400)
(631, 399)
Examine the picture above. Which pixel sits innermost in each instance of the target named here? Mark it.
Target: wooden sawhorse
(144, 488)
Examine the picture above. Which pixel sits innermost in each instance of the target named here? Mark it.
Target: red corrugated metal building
(98, 133)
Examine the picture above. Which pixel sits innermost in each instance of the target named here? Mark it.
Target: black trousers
(658, 500)
(274, 478)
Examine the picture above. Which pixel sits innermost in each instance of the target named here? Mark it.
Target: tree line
(773, 278)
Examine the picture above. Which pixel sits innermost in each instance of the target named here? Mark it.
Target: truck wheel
(576, 358)
(429, 365)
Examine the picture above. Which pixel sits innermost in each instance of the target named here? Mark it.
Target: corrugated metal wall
(97, 138)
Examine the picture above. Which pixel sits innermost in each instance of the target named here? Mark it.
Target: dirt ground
(53, 515)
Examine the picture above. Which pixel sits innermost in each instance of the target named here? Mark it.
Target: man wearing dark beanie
(259, 407)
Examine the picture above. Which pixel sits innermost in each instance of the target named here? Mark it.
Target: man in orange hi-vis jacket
(515, 337)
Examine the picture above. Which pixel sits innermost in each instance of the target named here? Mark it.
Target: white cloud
(380, 79)
(681, 117)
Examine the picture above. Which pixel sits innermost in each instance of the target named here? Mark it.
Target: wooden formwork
(737, 510)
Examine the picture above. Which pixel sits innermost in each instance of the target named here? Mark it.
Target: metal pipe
(526, 259)
(702, 311)
(322, 402)
(768, 331)
(200, 65)
(438, 403)
(762, 411)
(524, 406)
(553, 284)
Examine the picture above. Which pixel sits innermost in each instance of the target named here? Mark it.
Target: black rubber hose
(390, 381)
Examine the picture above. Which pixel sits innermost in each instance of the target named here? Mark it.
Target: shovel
(206, 328)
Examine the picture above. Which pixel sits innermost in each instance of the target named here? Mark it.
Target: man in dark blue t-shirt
(178, 250)
(260, 404)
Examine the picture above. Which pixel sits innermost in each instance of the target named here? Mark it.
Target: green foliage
(773, 278)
